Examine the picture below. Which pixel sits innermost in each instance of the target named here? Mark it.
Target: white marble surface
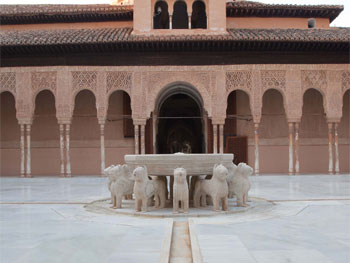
(43, 220)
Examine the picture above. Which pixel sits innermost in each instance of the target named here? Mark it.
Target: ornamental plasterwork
(316, 79)
(44, 80)
(8, 81)
(119, 80)
(345, 80)
(84, 80)
(23, 110)
(238, 80)
(273, 79)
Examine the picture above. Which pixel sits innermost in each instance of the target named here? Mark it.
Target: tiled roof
(116, 35)
(251, 8)
(18, 14)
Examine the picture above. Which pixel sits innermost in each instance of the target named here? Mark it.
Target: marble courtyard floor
(44, 219)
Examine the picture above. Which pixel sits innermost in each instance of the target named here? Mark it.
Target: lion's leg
(239, 200)
(144, 205)
(175, 205)
(114, 202)
(245, 199)
(204, 200)
(216, 203)
(225, 204)
(119, 201)
(196, 198)
(138, 205)
(185, 205)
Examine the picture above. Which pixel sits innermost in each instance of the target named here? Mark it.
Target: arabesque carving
(345, 80)
(8, 81)
(119, 81)
(44, 80)
(238, 80)
(273, 79)
(84, 80)
(316, 79)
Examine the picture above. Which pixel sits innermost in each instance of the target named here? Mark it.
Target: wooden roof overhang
(35, 14)
(57, 42)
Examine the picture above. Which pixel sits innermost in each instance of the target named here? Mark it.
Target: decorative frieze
(44, 80)
(8, 81)
(316, 79)
(119, 81)
(84, 80)
(273, 79)
(345, 80)
(238, 80)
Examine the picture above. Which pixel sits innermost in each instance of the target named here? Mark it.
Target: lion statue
(216, 188)
(240, 185)
(181, 193)
(145, 188)
(120, 183)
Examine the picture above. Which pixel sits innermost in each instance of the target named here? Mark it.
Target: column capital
(333, 120)
(139, 121)
(25, 121)
(217, 121)
(64, 121)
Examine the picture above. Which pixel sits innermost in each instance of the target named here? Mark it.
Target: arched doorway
(199, 15)
(10, 155)
(180, 15)
(161, 15)
(313, 134)
(179, 122)
(45, 136)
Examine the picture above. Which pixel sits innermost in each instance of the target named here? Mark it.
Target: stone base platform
(128, 208)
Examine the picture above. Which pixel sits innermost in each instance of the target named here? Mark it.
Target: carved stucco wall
(144, 84)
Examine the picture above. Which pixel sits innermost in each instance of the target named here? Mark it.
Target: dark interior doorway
(180, 127)
(180, 16)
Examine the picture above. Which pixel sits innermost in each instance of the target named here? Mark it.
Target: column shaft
(103, 162)
(291, 161)
(256, 133)
(189, 21)
(336, 148)
(68, 165)
(136, 127)
(170, 21)
(22, 151)
(330, 147)
(29, 171)
(143, 149)
(62, 148)
(297, 164)
(215, 138)
(221, 127)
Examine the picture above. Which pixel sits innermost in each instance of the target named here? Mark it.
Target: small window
(199, 15)
(161, 15)
(180, 16)
(311, 23)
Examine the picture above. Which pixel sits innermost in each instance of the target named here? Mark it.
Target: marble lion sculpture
(230, 178)
(145, 188)
(240, 184)
(181, 193)
(216, 188)
(120, 183)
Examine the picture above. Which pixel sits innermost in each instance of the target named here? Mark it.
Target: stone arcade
(81, 86)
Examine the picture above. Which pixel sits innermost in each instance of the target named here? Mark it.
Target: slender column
(189, 21)
(103, 162)
(136, 139)
(22, 151)
(290, 126)
(336, 147)
(221, 138)
(62, 148)
(256, 133)
(170, 21)
(297, 164)
(143, 150)
(28, 172)
(330, 147)
(68, 167)
(215, 138)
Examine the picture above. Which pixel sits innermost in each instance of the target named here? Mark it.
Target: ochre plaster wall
(274, 22)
